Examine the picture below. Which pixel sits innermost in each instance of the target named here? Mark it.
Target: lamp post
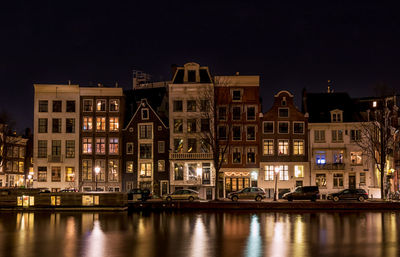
(276, 183)
(29, 181)
(97, 171)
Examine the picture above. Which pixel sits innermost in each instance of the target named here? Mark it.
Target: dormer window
(191, 76)
(283, 101)
(283, 113)
(236, 95)
(336, 116)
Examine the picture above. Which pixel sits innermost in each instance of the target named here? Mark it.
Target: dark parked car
(69, 190)
(303, 193)
(255, 193)
(349, 194)
(138, 194)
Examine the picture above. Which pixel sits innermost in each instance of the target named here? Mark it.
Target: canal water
(200, 234)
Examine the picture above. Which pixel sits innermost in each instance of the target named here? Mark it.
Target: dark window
(178, 126)
(145, 114)
(251, 113)
(43, 106)
(251, 156)
(222, 113)
(251, 133)
(56, 126)
(145, 151)
(192, 145)
(70, 126)
(204, 105)
(298, 127)
(283, 112)
(191, 105)
(205, 125)
(283, 127)
(70, 106)
(237, 133)
(42, 125)
(206, 173)
(42, 174)
(191, 125)
(70, 149)
(222, 133)
(42, 149)
(236, 113)
(56, 147)
(87, 105)
(178, 107)
(57, 106)
(191, 76)
(268, 127)
(178, 172)
(236, 95)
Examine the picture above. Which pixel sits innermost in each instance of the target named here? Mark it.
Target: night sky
(291, 45)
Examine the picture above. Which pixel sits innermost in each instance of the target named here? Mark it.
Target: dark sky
(290, 44)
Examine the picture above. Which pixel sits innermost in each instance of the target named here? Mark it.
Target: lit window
(114, 123)
(87, 145)
(101, 124)
(284, 172)
(100, 145)
(320, 157)
(299, 171)
(356, 158)
(161, 165)
(87, 169)
(298, 147)
(87, 123)
(114, 105)
(268, 147)
(113, 170)
(113, 146)
(320, 180)
(129, 167)
(101, 105)
(283, 147)
(70, 174)
(145, 170)
(269, 172)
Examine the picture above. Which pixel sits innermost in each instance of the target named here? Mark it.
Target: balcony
(55, 158)
(329, 166)
(191, 156)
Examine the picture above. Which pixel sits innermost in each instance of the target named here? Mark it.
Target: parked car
(303, 193)
(69, 190)
(138, 194)
(349, 194)
(182, 194)
(255, 193)
(44, 190)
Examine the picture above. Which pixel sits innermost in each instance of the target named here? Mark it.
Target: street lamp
(97, 171)
(29, 181)
(276, 183)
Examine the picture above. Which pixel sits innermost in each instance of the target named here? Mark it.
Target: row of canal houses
(159, 136)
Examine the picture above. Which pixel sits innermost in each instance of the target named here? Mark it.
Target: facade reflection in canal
(199, 234)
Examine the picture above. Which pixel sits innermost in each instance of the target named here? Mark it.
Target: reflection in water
(199, 234)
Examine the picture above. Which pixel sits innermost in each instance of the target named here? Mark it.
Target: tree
(377, 133)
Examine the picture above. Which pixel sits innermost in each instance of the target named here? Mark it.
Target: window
(236, 113)
(178, 145)
(57, 106)
(161, 165)
(222, 135)
(100, 145)
(283, 101)
(237, 132)
(191, 125)
(251, 155)
(42, 174)
(177, 106)
(100, 124)
(204, 105)
(205, 125)
(283, 112)
(178, 171)
(129, 148)
(337, 135)
(362, 179)
(298, 127)
(114, 105)
(222, 113)
(206, 173)
(86, 145)
(204, 146)
(69, 125)
(356, 158)
(192, 173)
(56, 147)
(336, 116)
(269, 172)
(337, 180)
(87, 105)
(55, 200)
(191, 105)
(338, 157)
(87, 123)
(70, 106)
(355, 135)
(284, 172)
(298, 147)
(42, 149)
(298, 171)
(101, 163)
(42, 125)
(161, 146)
(191, 75)
(113, 146)
(114, 123)
(145, 131)
(21, 166)
(192, 145)
(129, 167)
(237, 155)
(43, 106)
(283, 147)
(319, 135)
(320, 157)
(145, 151)
(101, 105)
(113, 170)
(56, 126)
(283, 127)
(21, 152)
(251, 113)
(145, 114)
(236, 95)
(178, 126)
(69, 174)
(55, 174)
(268, 127)
(251, 133)
(268, 147)
(87, 169)
(70, 149)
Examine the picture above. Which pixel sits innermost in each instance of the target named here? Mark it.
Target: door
(352, 181)
(164, 187)
(209, 193)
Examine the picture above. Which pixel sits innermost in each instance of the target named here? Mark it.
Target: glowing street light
(276, 183)
(97, 171)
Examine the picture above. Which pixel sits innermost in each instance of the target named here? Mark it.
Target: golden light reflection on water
(199, 239)
(95, 241)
